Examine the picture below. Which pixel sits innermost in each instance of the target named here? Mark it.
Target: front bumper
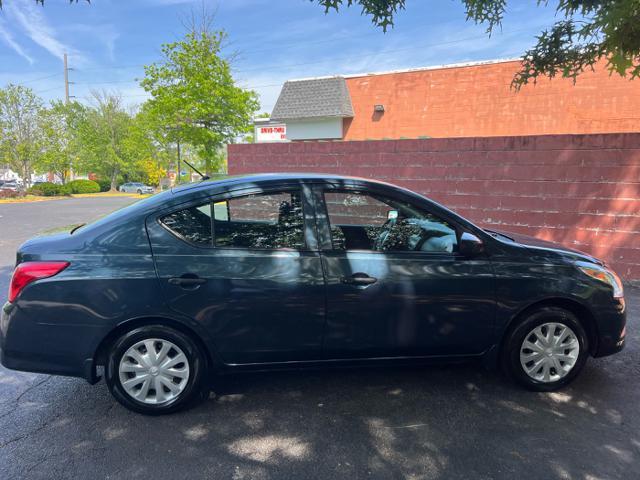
(612, 329)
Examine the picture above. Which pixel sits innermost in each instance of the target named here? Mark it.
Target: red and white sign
(271, 133)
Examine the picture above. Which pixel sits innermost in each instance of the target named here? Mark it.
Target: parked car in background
(136, 187)
(9, 185)
(273, 271)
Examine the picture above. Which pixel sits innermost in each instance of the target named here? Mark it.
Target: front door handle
(188, 280)
(359, 279)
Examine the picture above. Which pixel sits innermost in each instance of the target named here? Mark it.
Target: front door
(396, 285)
(246, 268)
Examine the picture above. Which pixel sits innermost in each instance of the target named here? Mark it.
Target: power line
(107, 82)
(40, 78)
(47, 90)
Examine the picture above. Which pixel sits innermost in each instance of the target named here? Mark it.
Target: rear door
(245, 266)
(396, 285)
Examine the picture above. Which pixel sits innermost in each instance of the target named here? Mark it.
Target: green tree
(104, 137)
(588, 31)
(21, 143)
(194, 98)
(61, 142)
(149, 157)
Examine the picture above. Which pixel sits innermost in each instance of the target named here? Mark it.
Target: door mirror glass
(392, 214)
(470, 245)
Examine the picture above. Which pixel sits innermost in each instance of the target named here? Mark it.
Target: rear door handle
(359, 279)
(187, 280)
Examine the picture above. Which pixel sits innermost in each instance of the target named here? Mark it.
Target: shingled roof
(313, 98)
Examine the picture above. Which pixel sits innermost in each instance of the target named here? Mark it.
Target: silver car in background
(9, 185)
(136, 187)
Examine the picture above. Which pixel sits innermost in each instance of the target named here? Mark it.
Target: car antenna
(204, 177)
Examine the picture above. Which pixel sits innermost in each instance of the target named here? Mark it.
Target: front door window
(361, 221)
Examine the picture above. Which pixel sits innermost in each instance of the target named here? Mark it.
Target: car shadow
(403, 422)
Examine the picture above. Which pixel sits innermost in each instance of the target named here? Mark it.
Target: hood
(553, 248)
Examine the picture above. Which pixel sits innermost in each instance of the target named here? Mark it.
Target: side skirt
(485, 357)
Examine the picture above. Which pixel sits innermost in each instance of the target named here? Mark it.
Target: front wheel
(547, 350)
(156, 370)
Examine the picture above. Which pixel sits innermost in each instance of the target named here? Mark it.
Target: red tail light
(28, 272)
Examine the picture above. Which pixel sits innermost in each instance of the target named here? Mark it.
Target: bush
(46, 189)
(105, 185)
(81, 186)
(10, 194)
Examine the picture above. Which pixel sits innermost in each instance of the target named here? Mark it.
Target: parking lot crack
(16, 401)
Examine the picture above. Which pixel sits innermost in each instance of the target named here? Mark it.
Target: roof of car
(272, 178)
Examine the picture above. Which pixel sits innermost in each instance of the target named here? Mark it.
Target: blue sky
(108, 41)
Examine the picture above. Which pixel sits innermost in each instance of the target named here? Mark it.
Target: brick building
(465, 100)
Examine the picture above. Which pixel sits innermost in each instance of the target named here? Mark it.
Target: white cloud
(105, 34)
(7, 37)
(31, 20)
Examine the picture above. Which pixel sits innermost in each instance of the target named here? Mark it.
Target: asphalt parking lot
(414, 423)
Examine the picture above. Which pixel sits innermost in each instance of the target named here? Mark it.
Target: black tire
(513, 342)
(196, 386)
(139, 192)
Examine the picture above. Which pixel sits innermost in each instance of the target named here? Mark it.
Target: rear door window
(272, 220)
(264, 221)
(192, 224)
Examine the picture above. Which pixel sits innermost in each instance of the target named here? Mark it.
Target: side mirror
(470, 245)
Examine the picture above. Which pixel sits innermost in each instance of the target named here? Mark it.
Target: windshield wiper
(76, 228)
(493, 233)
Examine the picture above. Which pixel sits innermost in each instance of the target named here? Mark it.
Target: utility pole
(66, 100)
(178, 177)
(66, 80)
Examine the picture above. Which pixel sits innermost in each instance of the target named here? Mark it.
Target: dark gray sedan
(281, 271)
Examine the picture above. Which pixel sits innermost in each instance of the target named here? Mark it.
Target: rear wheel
(139, 192)
(156, 370)
(547, 350)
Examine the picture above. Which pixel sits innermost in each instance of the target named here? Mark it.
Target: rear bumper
(41, 348)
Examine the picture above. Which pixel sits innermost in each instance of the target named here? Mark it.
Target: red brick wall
(580, 190)
(477, 101)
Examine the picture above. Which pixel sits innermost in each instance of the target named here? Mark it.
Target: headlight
(604, 275)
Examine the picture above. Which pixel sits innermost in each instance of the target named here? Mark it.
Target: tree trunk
(26, 175)
(114, 178)
(208, 160)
